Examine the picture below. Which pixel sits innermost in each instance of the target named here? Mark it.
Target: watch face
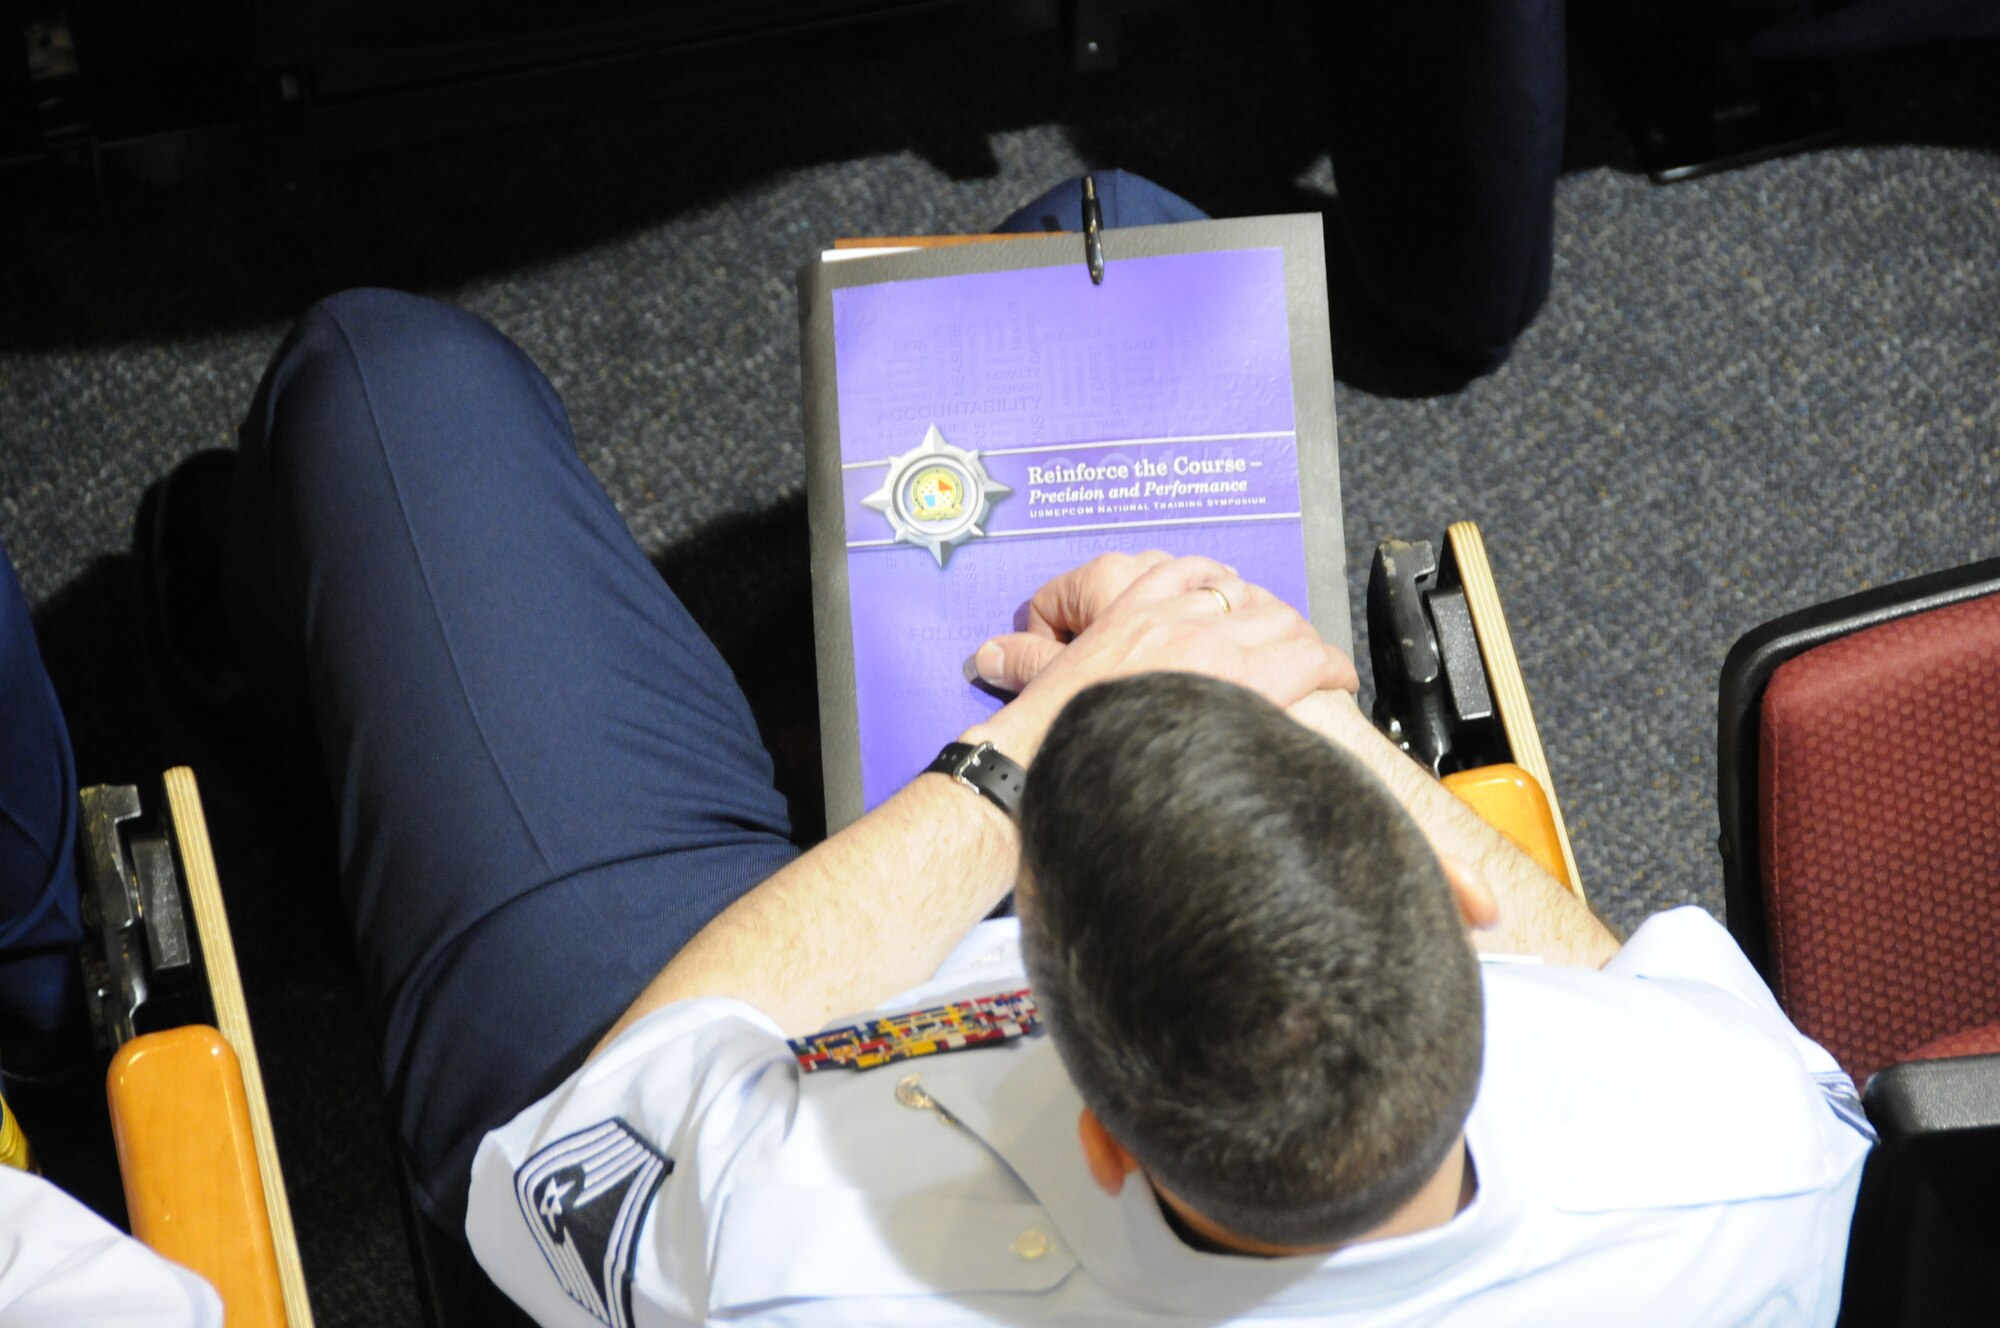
(936, 495)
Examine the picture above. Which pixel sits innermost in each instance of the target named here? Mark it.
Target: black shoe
(181, 541)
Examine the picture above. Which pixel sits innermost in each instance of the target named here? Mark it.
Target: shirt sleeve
(61, 1264)
(1690, 951)
(1687, 943)
(598, 1204)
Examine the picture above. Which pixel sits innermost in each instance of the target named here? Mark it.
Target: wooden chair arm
(1513, 802)
(1467, 549)
(193, 1189)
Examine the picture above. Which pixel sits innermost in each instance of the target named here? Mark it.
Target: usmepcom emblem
(935, 495)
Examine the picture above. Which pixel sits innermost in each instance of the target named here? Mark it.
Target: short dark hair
(1248, 957)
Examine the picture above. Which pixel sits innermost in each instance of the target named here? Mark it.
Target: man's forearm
(1538, 915)
(868, 913)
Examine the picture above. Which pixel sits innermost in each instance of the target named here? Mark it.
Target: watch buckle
(967, 762)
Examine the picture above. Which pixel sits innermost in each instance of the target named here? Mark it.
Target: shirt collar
(1030, 1118)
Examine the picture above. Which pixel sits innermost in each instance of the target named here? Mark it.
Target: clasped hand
(1122, 614)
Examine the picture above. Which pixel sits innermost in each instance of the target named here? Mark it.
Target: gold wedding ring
(1220, 598)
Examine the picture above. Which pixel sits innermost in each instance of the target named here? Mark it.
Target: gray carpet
(1746, 394)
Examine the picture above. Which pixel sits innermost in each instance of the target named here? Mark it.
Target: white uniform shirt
(63, 1266)
(1653, 1143)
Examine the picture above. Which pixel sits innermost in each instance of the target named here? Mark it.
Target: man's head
(1249, 959)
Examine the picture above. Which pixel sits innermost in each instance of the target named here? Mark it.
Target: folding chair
(1860, 806)
(202, 1181)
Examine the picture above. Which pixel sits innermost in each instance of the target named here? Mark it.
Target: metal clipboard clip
(1093, 231)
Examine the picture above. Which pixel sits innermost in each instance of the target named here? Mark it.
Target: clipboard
(1000, 388)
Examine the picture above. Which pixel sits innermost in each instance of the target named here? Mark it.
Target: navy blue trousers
(40, 987)
(545, 779)
(1447, 124)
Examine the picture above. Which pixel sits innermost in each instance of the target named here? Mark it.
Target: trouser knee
(364, 360)
(376, 325)
(375, 403)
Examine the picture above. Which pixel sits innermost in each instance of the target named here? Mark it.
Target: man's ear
(1109, 1163)
(1475, 902)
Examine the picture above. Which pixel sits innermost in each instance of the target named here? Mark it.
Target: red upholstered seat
(1984, 1041)
(1879, 784)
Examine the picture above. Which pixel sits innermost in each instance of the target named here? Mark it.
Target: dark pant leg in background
(1447, 129)
(40, 987)
(545, 779)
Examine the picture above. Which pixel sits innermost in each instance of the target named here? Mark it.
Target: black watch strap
(981, 768)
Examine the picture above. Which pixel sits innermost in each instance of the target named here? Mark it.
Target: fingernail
(984, 666)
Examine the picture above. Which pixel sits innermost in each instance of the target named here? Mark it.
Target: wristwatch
(985, 771)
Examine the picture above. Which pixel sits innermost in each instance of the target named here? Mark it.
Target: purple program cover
(997, 429)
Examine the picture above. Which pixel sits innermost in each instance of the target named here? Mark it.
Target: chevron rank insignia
(980, 1022)
(585, 1197)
